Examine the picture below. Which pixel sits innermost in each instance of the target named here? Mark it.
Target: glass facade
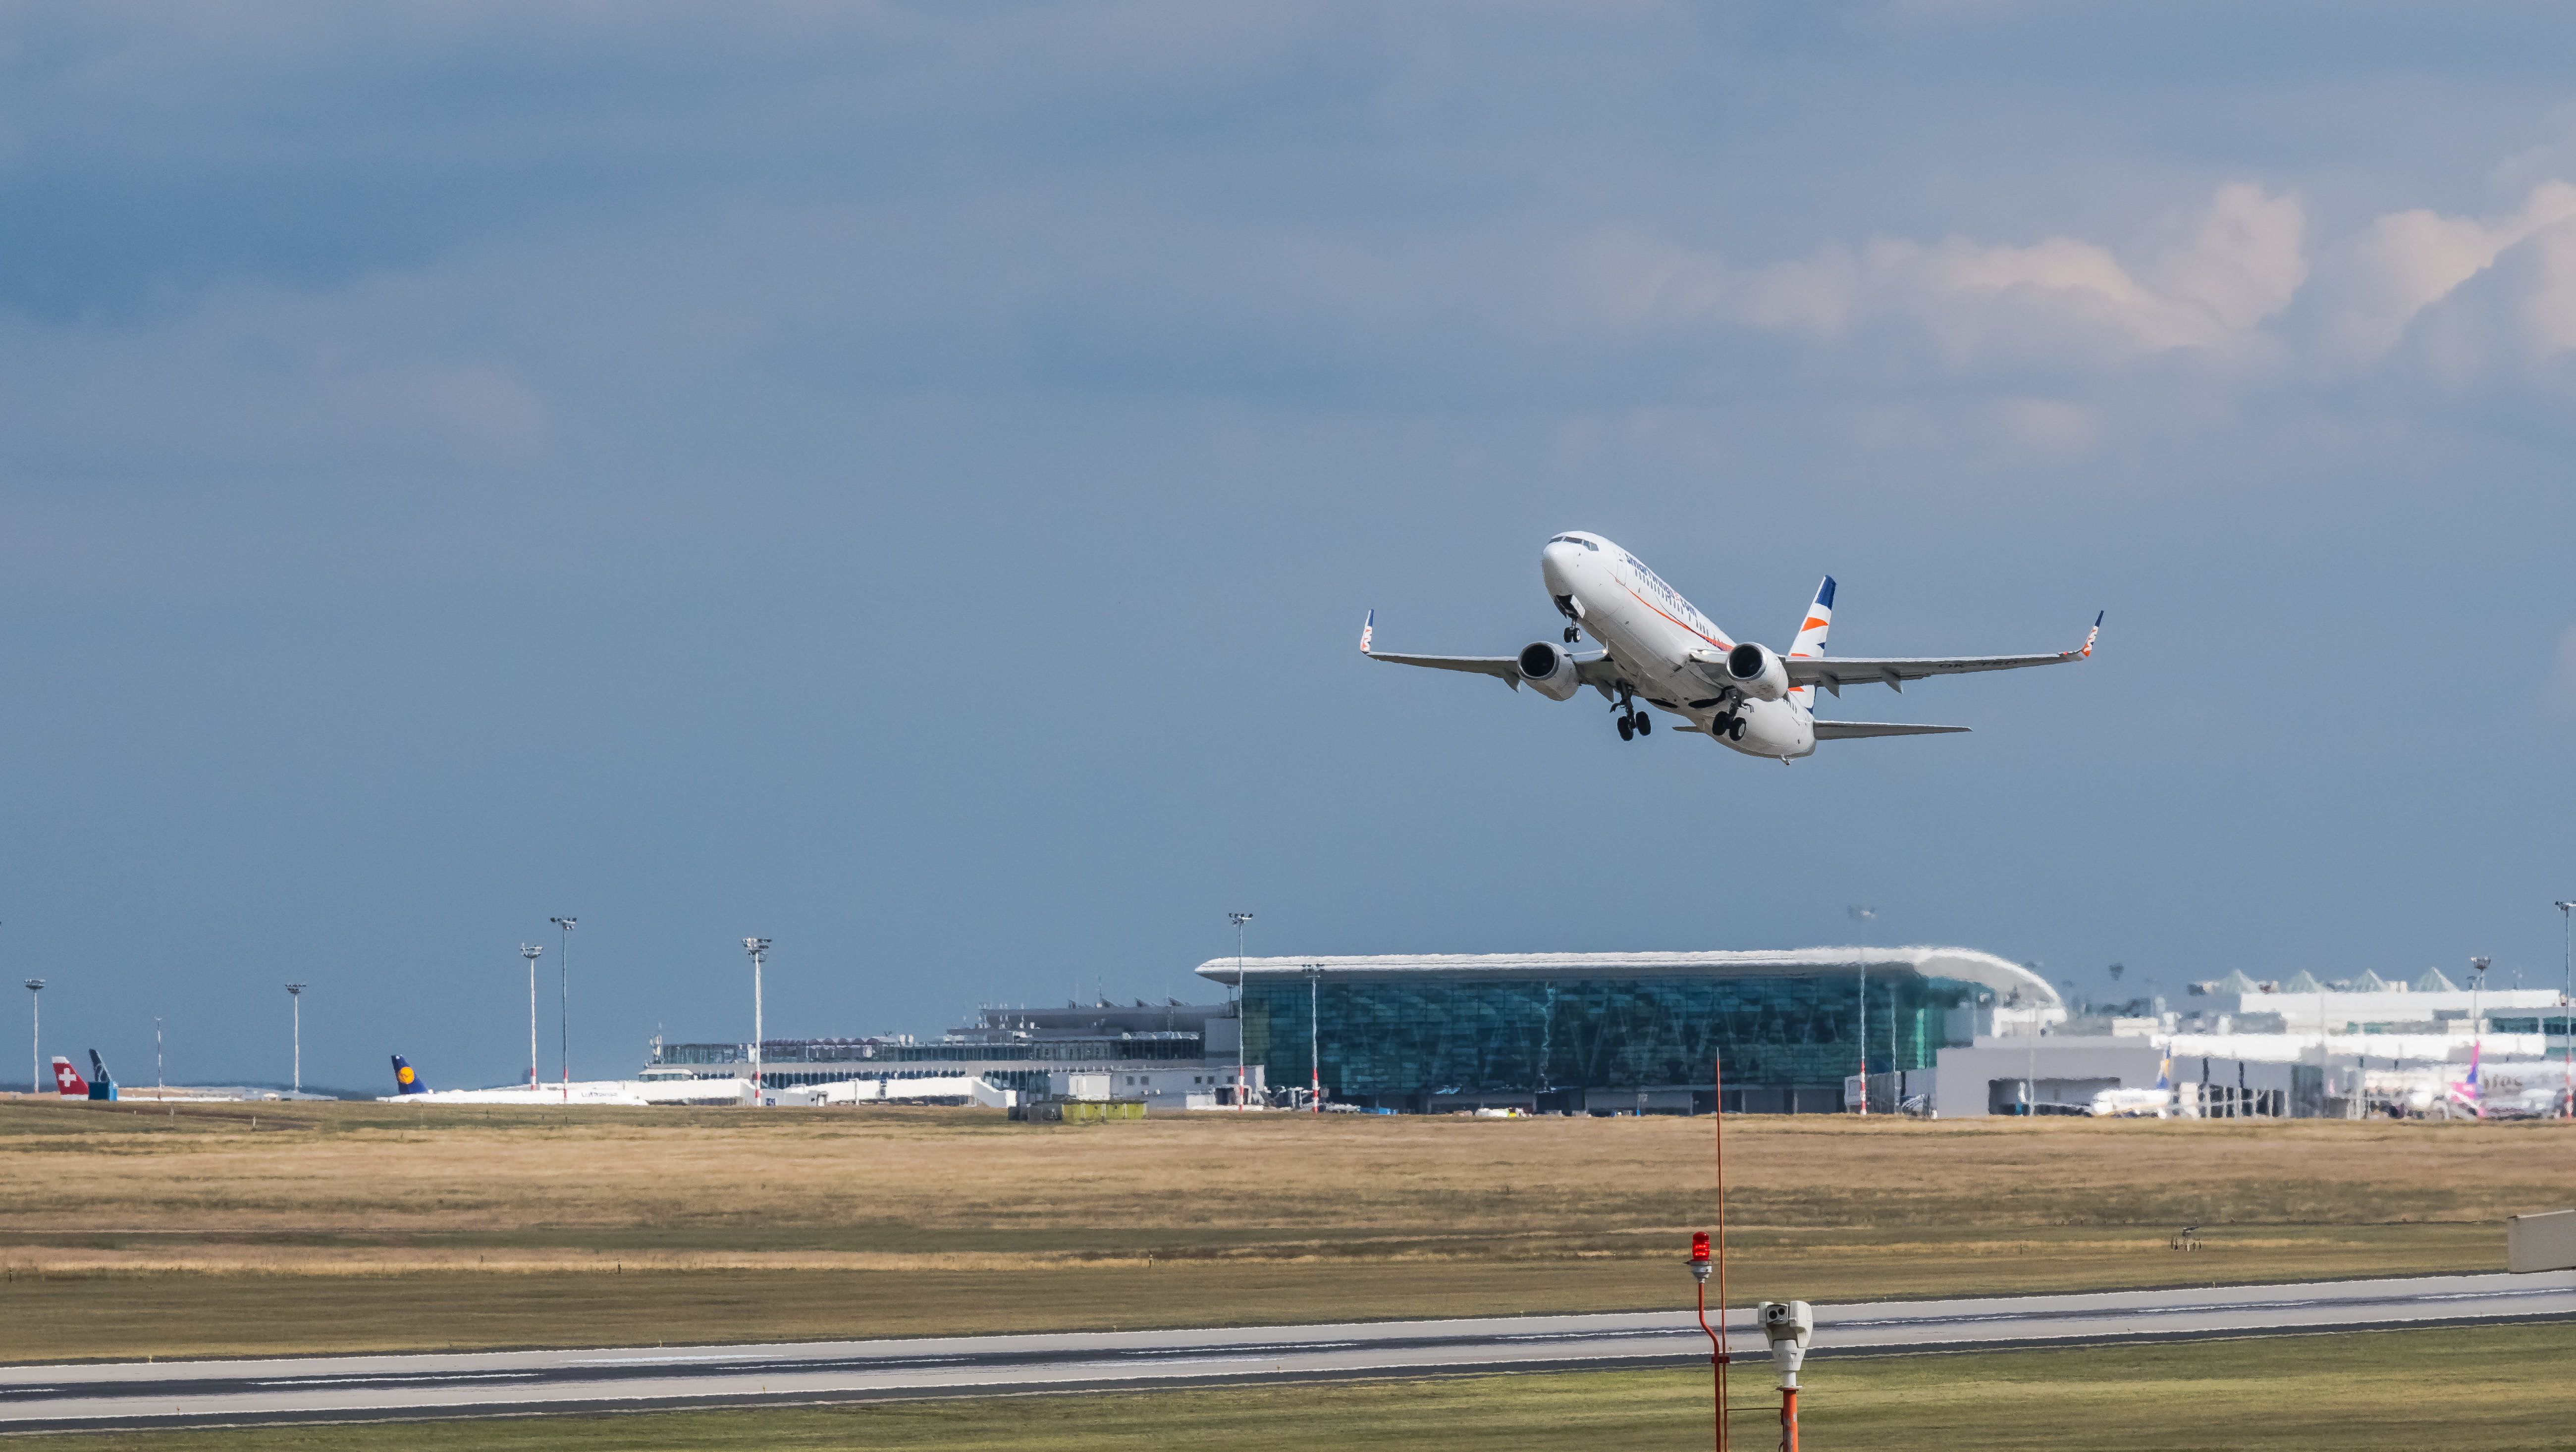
(1173, 1047)
(1382, 1038)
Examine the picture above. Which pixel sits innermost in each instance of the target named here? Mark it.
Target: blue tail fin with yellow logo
(405, 1081)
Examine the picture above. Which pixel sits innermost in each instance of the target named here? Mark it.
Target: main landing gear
(1633, 723)
(1730, 726)
(1572, 635)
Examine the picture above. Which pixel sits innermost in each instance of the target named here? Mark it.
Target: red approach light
(1699, 1246)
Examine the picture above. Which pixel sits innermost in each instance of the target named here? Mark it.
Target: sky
(905, 481)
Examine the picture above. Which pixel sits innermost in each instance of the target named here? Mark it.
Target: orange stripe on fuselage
(1719, 641)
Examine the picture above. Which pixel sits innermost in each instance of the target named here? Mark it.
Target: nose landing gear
(1572, 635)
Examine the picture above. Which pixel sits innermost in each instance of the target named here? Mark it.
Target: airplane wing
(1592, 667)
(1835, 672)
(1848, 730)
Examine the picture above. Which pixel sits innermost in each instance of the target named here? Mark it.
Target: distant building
(1162, 1053)
(1614, 1032)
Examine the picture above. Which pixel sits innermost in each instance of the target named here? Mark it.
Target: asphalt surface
(101, 1396)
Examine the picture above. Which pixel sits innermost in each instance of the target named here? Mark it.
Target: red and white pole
(1788, 1419)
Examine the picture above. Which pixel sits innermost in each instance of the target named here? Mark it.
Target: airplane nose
(1556, 566)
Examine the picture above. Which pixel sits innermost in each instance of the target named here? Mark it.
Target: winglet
(2087, 652)
(1368, 628)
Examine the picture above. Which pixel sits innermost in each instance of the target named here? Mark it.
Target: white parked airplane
(1658, 647)
(2138, 1103)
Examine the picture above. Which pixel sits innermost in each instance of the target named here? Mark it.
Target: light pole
(563, 1028)
(758, 948)
(1862, 915)
(2567, 1013)
(35, 1035)
(1864, 1038)
(2478, 1030)
(530, 951)
(1238, 919)
(2567, 1010)
(1314, 1036)
(295, 996)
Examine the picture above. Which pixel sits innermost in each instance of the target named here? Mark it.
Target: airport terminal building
(1577, 1032)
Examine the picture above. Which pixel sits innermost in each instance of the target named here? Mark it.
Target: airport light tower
(2567, 1010)
(1861, 914)
(2478, 1026)
(758, 948)
(35, 1035)
(530, 951)
(1315, 1036)
(295, 996)
(1238, 919)
(563, 1022)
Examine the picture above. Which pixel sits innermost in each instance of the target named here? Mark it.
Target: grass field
(226, 1229)
(2493, 1388)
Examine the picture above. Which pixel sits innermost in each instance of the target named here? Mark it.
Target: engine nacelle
(1547, 669)
(1757, 672)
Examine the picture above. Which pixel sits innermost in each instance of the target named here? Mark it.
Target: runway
(409, 1387)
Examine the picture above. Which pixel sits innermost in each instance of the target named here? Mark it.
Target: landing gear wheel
(1645, 723)
(1627, 728)
(1735, 729)
(1572, 635)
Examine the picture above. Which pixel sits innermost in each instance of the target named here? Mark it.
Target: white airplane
(2138, 1103)
(1658, 647)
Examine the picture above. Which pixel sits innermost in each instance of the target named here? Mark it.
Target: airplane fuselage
(1668, 651)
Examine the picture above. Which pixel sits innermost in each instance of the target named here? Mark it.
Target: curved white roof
(1965, 965)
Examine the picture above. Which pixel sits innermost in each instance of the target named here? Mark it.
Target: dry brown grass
(870, 1221)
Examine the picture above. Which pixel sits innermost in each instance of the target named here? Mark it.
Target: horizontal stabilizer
(1850, 730)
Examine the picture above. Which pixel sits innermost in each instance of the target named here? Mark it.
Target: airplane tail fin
(2164, 1073)
(405, 1080)
(102, 1085)
(1811, 637)
(67, 1080)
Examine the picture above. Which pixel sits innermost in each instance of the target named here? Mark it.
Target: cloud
(2228, 287)
(2235, 263)
(2373, 285)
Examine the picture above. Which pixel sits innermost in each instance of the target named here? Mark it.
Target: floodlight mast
(563, 1021)
(35, 1035)
(531, 952)
(295, 996)
(1314, 1037)
(1238, 919)
(2567, 1011)
(1860, 914)
(758, 948)
(2478, 1029)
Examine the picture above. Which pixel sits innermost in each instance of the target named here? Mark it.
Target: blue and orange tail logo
(1810, 640)
(406, 1081)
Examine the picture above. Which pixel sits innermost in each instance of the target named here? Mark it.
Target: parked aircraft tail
(102, 1085)
(67, 1080)
(1811, 637)
(406, 1081)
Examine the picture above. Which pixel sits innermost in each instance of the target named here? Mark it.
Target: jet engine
(1550, 671)
(1754, 670)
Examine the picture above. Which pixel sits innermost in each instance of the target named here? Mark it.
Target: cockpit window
(1576, 540)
